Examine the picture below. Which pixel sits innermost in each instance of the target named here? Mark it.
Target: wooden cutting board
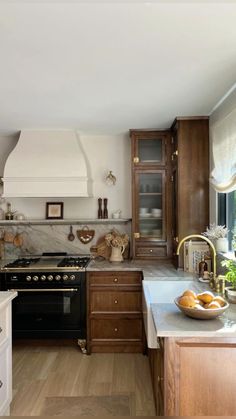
(102, 249)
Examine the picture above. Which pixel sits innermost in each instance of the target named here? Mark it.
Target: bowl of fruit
(204, 306)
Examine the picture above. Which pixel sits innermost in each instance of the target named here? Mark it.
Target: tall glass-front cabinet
(151, 194)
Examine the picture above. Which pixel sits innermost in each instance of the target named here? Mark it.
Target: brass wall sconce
(110, 179)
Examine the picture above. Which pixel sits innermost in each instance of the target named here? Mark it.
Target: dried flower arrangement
(115, 239)
(215, 232)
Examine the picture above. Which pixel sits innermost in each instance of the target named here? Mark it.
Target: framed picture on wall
(54, 210)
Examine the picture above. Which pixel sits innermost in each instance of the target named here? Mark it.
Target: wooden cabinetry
(156, 359)
(188, 376)
(115, 312)
(151, 194)
(190, 175)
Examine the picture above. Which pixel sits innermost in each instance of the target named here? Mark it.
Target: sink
(160, 292)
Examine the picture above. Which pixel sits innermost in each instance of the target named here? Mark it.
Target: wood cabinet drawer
(5, 367)
(151, 251)
(4, 324)
(126, 329)
(116, 301)
(115, 278)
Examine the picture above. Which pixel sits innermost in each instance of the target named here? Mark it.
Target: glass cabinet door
(150, 150)
(150, 205)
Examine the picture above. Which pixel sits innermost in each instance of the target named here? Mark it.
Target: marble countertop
(151, 270)
(6, 297)
(171, 322)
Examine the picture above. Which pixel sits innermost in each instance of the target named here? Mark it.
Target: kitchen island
(192, 367)
(5, 351)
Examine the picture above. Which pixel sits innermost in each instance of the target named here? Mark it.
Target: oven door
(56, 313)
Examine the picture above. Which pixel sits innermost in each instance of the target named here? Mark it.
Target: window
(227, 212)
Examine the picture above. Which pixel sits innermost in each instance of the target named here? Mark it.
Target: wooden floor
(56, 370)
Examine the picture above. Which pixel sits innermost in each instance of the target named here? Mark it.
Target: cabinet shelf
(68, 221)
(150, 193)
(150, 218)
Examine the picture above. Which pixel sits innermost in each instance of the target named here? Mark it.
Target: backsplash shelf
(68, 221)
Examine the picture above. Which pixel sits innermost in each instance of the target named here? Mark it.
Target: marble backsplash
(54, 238)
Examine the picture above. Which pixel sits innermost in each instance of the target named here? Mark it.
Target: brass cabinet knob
(115, 279)
(151, 250)
(116, 330)
(116, 301)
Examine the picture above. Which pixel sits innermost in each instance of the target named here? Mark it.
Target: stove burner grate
(80, 262)
(22, 263)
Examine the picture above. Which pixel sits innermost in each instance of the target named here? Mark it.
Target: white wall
(222, 110)
(103, 153)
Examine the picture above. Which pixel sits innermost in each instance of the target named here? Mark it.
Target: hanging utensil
(71, 236)
(85, 235)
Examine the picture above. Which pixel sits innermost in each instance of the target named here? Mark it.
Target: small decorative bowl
(205, 314)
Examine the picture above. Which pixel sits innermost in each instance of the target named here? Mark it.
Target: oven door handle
(45, 290)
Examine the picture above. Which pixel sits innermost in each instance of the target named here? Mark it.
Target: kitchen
(81, 176)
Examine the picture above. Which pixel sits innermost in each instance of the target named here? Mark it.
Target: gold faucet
(200, 236)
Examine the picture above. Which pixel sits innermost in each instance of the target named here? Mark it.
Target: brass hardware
(82, 345)
(222, 279)
(159, 379)
(137, 235)
(151, 250)
(116, 301)
(172, 178)
(136, 160)
(172, 140)
(116, 330)
(115, 279)
(174, 154)
(176, 239)
(44, 290)
(200, 236)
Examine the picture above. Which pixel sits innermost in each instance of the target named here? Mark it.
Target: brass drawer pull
(116, 329)
(1, 329)
(116, 301)
(151, 250)
(115, 279)
(1, 384)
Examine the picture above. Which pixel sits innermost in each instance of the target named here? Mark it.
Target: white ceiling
(104, 67)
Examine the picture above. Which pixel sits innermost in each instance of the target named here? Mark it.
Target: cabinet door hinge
(175, 154)
(172, 140)
(136, 160)
(172, 178)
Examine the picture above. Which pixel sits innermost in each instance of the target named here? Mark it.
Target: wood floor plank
(41, 372)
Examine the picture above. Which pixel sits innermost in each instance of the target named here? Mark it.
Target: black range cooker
(51, 300)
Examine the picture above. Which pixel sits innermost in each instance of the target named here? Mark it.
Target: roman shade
(223, 132)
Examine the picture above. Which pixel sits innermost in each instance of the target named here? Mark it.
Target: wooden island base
(194, 376)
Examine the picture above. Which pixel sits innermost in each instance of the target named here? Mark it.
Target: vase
(117, 254)
(231, 294)
(222, 245)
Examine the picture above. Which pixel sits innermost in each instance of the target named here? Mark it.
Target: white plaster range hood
(47, 164)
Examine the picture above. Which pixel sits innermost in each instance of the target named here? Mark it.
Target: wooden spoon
(71, 235)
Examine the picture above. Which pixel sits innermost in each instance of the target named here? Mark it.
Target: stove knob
(65, 277)
(58, 277)
(35, 278)
(50, 277)
(43, 278)
(28, 278)
(72, 277)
